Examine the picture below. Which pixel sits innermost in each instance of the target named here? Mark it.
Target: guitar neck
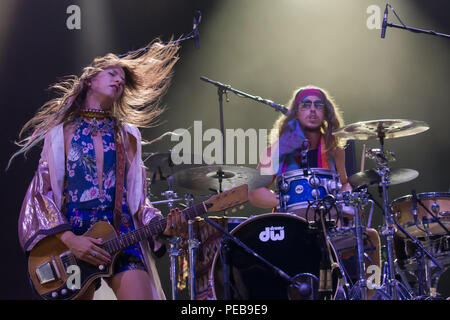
(153, 228)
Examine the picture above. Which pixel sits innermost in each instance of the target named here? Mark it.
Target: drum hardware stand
(391, 284)
(193, 244)
(174, 251)
(403, 277)
(422, 252)
(230, 238)
(418, 243)
(435, 219)
(356, 200)
(225, 255)
(326, 266)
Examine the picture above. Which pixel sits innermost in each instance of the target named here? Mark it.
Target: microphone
(304, 152)
(195, 30)
(305, 145)
(276, 106)
(383, 27)
(414, 205)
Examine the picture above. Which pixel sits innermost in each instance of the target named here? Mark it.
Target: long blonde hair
(333, 119)
(148, 73)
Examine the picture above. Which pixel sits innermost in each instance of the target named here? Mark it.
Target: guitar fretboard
(153, 228)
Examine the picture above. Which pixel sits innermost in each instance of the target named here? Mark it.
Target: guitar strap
(120, 175)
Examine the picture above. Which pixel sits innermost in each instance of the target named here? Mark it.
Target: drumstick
(363, 157)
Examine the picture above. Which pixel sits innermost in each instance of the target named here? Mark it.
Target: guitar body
(49, 261)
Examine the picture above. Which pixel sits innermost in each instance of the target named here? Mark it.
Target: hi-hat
(220, 177)
(385, 128)
(370, 177)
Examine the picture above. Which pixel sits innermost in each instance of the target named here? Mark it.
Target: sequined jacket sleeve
(39, 215)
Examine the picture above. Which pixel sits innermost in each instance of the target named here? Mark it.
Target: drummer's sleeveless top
(291, 162)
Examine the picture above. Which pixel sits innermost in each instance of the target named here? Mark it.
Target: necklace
(97, 121)
(95, 113)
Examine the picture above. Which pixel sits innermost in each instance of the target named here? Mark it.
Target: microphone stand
(417, 30)
(221, 90)
(270, 103)
(403, 26)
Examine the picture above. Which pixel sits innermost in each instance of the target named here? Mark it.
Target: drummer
(313, 116)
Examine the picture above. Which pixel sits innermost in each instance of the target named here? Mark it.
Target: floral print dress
(86, 203)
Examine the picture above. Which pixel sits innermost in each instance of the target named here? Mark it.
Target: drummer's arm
(263, 198)
(339, 158)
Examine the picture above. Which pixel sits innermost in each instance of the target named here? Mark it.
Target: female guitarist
(91, 169)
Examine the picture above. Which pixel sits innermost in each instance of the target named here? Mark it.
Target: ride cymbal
(371, 177)
(385, 128)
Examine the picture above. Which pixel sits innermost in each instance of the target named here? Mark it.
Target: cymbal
(159, 166)
(387, 128)
(370, 177)
(206, 178)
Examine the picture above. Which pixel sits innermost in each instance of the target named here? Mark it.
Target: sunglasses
(306, 104)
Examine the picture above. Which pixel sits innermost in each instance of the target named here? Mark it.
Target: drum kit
(310, 249)
(313, 247)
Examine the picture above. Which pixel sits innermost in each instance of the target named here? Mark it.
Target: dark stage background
(266, 48)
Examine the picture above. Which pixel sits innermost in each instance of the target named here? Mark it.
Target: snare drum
(297, 187)
(436, 202)
(283, 239)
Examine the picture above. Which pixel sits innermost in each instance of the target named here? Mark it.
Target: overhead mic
(306, 144)
(414, 205)
(384, 25)
(195, 30)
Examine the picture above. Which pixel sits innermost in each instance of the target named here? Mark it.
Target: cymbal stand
(170, 195)
(174, 251)
(391, 286)
(193, 244)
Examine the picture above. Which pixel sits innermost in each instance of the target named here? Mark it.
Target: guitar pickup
(67, 260)
(46, 273)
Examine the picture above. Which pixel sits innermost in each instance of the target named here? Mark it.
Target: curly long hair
(148, 73)
(333, 119)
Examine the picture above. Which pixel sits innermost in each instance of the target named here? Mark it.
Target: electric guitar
(52, 266)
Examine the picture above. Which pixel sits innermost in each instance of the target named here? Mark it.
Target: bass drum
(287, 242)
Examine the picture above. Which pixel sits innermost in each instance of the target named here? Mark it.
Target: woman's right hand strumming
(86, 248)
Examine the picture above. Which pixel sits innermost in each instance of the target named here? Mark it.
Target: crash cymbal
(385, 128)
(370, 177)
(207, 178)
(159, 166)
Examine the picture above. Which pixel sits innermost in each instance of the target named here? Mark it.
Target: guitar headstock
(228, 199)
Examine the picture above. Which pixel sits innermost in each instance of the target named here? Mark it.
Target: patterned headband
(308, 92)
